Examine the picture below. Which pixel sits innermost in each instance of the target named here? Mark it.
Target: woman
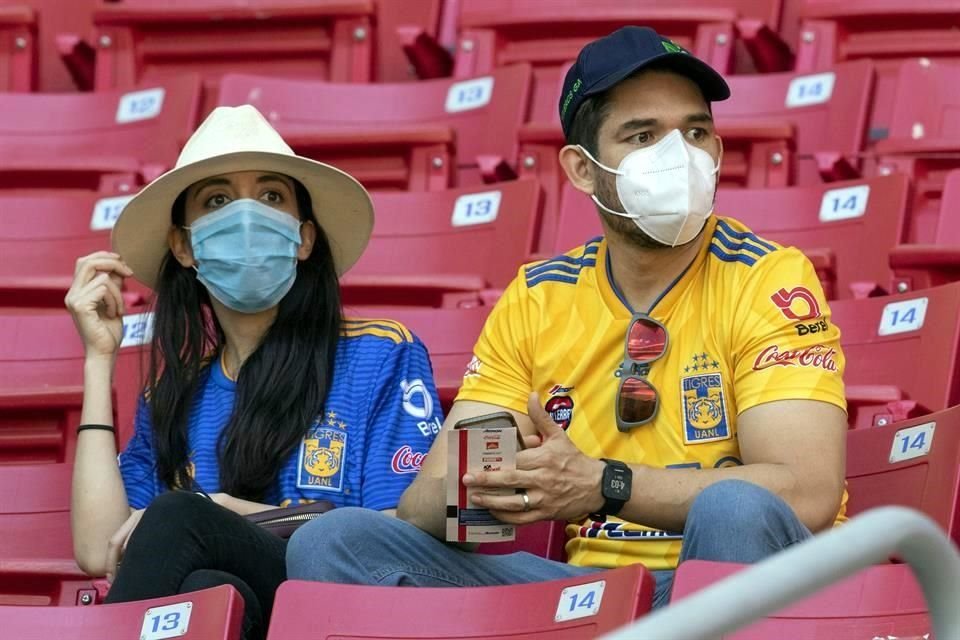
(259, 393)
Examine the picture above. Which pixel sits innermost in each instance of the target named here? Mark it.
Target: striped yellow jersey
(747, 324)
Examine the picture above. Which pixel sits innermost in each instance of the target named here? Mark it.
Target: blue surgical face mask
(246, 254)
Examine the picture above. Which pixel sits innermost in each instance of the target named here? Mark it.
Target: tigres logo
(322, 456)
(704, 409)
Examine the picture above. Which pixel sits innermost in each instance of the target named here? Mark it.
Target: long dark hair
(281, 387)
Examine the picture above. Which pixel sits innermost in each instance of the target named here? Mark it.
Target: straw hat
(240, 139)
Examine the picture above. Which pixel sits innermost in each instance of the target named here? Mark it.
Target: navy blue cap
(609, 60)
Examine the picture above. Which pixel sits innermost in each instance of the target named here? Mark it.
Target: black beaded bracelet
(98, 427)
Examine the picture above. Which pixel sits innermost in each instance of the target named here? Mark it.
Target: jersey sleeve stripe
(354, 323)
(551, 278)
(383, 332)
(740, 246)
(734, 257)
(742, 235)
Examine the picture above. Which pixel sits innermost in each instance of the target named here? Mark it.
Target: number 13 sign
(171, 621)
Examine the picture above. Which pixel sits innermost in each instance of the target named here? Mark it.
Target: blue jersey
(381, 415)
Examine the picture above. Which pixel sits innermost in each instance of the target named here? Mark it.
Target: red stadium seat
(920, 266)
(142, 41)
(449, 335)
(36, 557)
(409, 136)
(514, 612)
(41, 384)
(828, 222)
(550, 33)
(885, 31)
(924, 138)
(882, 601)
(41, 237)
(901, 353)
(18, 48)
(915, 463)
(112, 141)
(428, 244)
(820, 117)
(211, 614)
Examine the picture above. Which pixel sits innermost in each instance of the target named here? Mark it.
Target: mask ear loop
(594, 197)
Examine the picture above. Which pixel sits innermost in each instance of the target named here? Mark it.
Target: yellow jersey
(747, 324)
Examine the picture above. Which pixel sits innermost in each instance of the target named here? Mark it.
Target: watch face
(616, 483)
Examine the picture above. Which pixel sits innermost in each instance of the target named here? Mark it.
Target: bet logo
(798, 304)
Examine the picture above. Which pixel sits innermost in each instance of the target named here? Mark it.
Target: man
(692, 367)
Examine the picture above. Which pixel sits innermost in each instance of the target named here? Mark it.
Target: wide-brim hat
(240, 139)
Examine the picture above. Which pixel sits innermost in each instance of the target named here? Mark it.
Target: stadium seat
(915, 463)
(142, 41)
(828, 222)
(777, 129)
(36, 557)
(211, 614)
(41, 237)
(887, 32)
(112, 141)
(18, 48)
(583, 607)
(448, 333)
(937, 261)
(901, 353)
(429, 244)
(409, 136)
(41, 384)
(879, 602)
(924, 137)
(549, 33)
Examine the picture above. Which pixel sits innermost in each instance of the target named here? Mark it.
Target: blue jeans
(732, 521)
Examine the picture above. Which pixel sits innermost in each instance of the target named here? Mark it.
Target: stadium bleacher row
(842, 138)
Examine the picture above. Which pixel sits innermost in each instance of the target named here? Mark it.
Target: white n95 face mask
(667, 189)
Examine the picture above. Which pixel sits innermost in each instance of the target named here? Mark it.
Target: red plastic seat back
(211, 614)
(41, 384)
(399, 136)
(827, 112)
(915, 463)
(144, 41)
(523, 611)
(429, 243)
(80, 140)
(879, 601)
(550, 33)
(901, 353)
(831, 223)
(887, 32)
(41, 237)
(18, 48)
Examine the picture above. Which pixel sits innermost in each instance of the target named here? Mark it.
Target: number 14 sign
(580, 601)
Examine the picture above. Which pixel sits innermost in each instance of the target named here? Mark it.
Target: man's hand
(560, 481)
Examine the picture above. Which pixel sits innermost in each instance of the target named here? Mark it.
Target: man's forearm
(424, 505)
(661, 498)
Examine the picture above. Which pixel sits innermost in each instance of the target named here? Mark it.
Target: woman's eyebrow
(211, 182)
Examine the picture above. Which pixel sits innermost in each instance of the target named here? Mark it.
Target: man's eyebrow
(703, 116)
(637, 123)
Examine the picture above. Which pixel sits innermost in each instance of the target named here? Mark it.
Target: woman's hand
(118, 543)
(96, 304)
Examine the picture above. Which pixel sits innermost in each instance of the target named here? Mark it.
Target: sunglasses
(637, 398)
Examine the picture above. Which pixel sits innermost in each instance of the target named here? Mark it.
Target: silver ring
(526, 501)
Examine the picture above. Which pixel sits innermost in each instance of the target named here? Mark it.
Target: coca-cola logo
(406, 460)
(814, 356)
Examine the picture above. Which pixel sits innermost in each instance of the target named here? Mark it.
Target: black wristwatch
(616, 486)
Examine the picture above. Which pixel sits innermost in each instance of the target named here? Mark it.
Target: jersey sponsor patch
(798, 304)
(560, 409)
(704, 409)
(816, 356)
(406, 460)
(473, 368)
(323, 454)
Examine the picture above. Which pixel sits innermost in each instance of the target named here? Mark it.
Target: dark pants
(185, 542)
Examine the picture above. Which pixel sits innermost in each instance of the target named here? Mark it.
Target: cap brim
(711, 83)
(341, 205)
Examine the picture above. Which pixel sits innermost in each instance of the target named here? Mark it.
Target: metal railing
(805, 568)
